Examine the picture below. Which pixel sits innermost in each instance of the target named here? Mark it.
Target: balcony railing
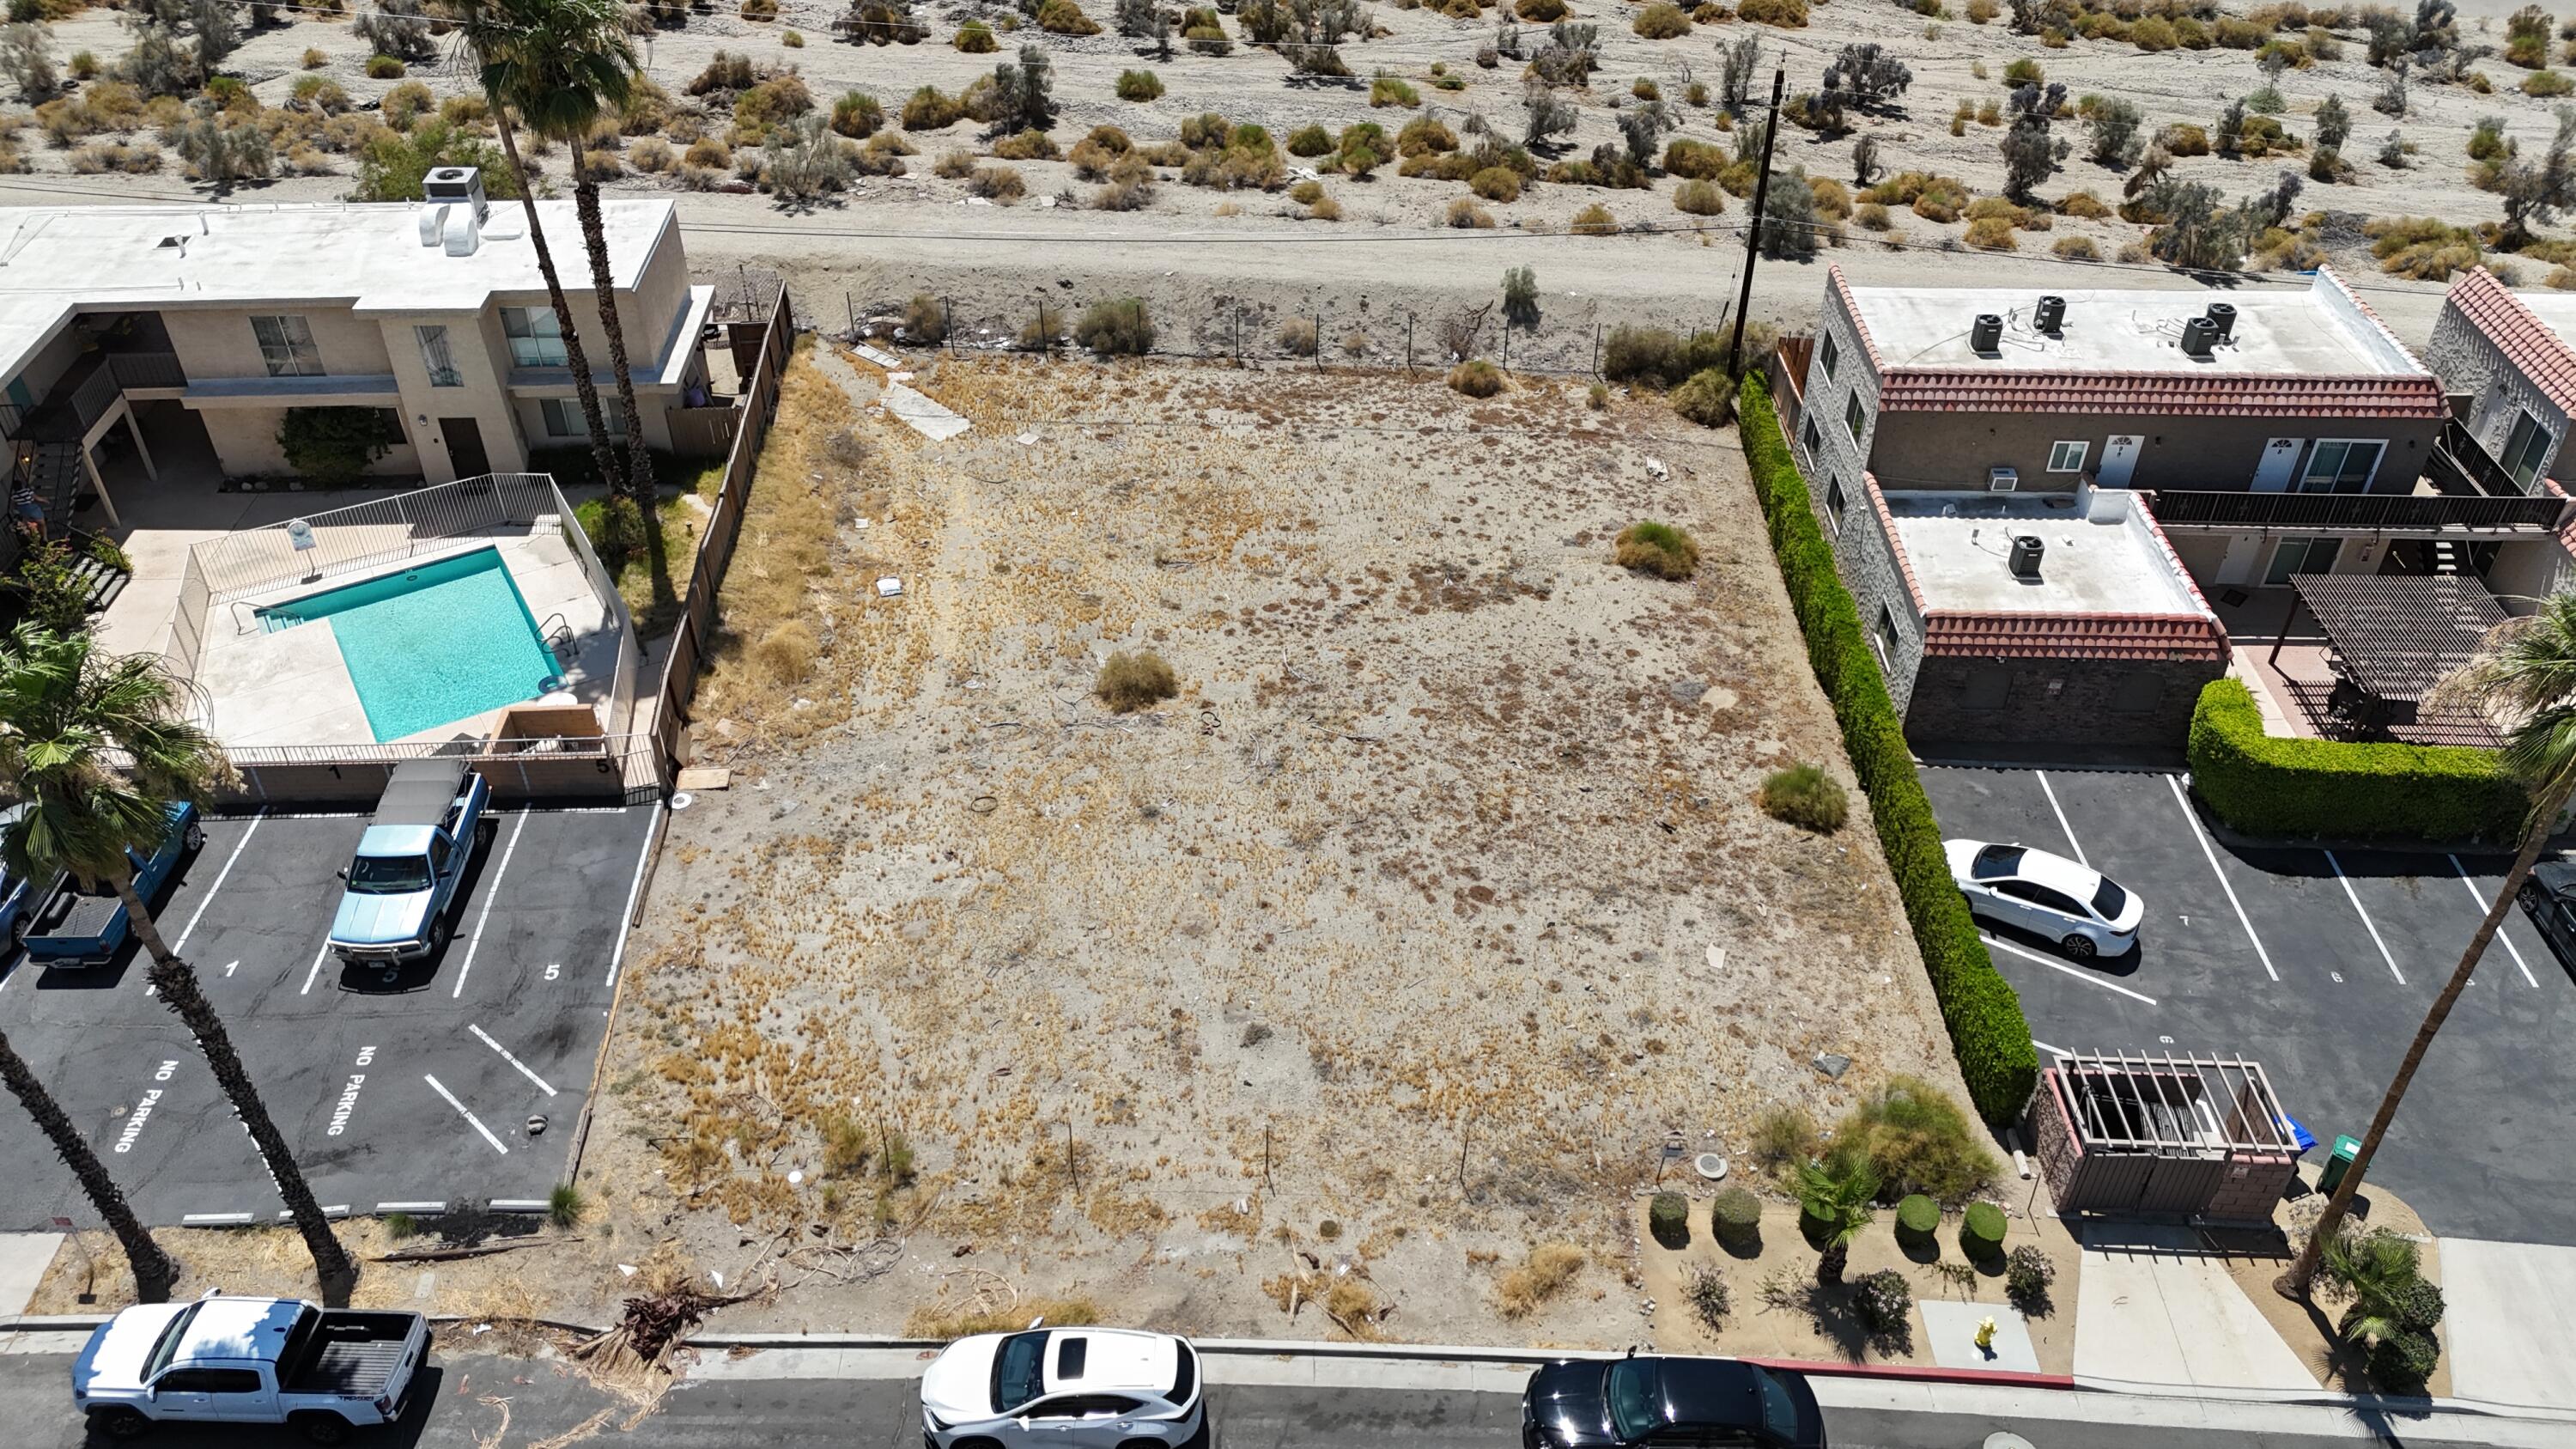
(81, 397)
(2336, 513)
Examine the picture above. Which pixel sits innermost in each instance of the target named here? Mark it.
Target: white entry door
(2280, 457)
(2119, 460)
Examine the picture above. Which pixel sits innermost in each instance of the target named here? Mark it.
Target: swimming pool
(432, 644)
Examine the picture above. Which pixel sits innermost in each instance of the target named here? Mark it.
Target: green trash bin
(2339, 1162)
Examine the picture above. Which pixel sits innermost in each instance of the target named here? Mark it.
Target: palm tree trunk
(153, 1270)
(177, 984)
(2295, 1283)
(1829, 1268)
(574, 358)
(603, 287)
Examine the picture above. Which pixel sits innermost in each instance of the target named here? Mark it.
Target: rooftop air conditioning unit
(1987, 334)
(2222, 320)
(2050, 315)
(2024, 560)
(2002, 480)
(2199, 335)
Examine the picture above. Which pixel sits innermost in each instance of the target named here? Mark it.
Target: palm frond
(97, 747)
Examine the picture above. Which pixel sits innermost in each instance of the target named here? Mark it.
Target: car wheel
(195, 836)
(119, 1423)
(2079, 946)
(437, 934)
(323, 1428)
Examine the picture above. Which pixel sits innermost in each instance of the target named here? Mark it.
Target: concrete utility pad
(2154, 1307)
(1958, 546)
(414, 1087)
(2511, 1315)
(1952, 1331)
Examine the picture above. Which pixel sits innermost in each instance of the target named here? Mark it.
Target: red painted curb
(1911, 1374)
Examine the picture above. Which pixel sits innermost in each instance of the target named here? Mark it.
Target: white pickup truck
(225, 1360)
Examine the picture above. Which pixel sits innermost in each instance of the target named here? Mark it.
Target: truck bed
(75, 915)
(352, 1355)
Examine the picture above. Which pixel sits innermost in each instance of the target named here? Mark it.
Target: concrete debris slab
(1688, 691)
(1833, 1066)
(877, 355)
(704, 777)
(889, 588)
(922, 415)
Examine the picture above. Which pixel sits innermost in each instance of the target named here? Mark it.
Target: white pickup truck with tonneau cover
(224, 1360)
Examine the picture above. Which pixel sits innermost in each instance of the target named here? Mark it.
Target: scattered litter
(862, 523)
(482, 1328)
(1833, 1066)
(889, 588)
(626, 1270)
(877, 356)
(890, 377)
(682, 800)
(794, 1179)
(1655, 468)
(1025, 439)
(1717, 958)
(715, 1277)
(975, 201)
(705, 777)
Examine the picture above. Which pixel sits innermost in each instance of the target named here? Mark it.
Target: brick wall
(2249, 1187)
(2053, 1136)
(2104, 701)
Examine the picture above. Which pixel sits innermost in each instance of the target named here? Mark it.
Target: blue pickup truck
(427, 826)
(81, 927)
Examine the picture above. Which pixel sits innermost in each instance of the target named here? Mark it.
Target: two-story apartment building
(131, 320)
(2506, 360)
(2235, 443)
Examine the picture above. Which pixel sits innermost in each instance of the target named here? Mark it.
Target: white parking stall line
(317, 965)
(2485, 905)
(2212, 857)
(2078, 972)
(2058, 1052)
(489, 897)
(485, 1038)
(2060, 813)
(2367, 923)
(212, 1220)
(476, 1122)
(643, 857)
(220, 877)
(427, 1207)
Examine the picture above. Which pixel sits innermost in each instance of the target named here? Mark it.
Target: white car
(1080, 1388)
(2082, 910)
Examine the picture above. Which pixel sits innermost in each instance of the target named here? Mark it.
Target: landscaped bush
(2329, 789)
(1919, 1140)
(1880, 1301)
(1668, 1218)
(1917, 1219)
(1130, 682)
(2027, 1276)
(1063, 17)
(1805, 796)
(1736, 1218)
(975, 38)
(332, 446)
(1476, 378)
(1708, 1297)
(1981, 1231)
(2401, 1362)
(1659, 549)
(1119, 327)
(1655, 356)
(1987, 1029)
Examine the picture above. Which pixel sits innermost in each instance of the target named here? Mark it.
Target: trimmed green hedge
(2298, 788)
(1987, 1029)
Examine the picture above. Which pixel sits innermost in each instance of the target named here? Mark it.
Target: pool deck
(292, 687)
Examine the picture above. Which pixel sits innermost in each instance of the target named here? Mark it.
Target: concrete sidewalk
(2509, 1317)
(2154, 1307)
(23, 1260)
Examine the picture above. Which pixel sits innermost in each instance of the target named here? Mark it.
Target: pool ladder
(556, 631)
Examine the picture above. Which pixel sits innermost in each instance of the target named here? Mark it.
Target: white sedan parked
(1080, 1388)
(2079, 908)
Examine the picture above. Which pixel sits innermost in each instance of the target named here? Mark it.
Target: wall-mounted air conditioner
(2002, 480)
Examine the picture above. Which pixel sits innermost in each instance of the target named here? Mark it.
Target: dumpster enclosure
(2193, 1137)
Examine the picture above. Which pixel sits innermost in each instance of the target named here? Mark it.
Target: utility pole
(1753, 233)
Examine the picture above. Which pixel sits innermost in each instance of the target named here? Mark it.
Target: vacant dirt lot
(1404, 936)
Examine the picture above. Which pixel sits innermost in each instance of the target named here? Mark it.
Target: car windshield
(1019, 1371)
(1632, 1398)
(1997, 861)
(389, 875)
(1779, 1410)
(2109, 900)
(167, 1345)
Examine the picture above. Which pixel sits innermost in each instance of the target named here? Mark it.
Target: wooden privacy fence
(689, 642)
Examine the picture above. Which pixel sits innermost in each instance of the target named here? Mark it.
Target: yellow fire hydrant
(1986, 1334)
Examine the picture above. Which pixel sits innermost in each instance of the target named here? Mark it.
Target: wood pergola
(2394, 638)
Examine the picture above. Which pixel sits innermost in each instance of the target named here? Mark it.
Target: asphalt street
(2318, 964)
(411, 1090)
(481, 1402)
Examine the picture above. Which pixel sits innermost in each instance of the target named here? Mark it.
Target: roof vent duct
(2222, 316)
(2199, 335)
(2024, 562)
(1986, 337)
(2050, 315)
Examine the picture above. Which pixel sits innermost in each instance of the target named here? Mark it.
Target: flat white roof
(56, 261)
(2556, 311)
(1958, 545)
(2319, 331)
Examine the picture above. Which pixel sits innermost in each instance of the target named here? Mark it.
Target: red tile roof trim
(1895, 544)
(2525, 340)
(2173, 560)
(1851, 308)
(2001, 635)
(2246, 394)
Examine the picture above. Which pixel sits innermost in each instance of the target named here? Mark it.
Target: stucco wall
(2468, 362)
(218, 342)
(245, 441)
(50, 362)
(480, 394)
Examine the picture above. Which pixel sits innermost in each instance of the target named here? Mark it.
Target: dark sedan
(1632, 1402)
(2549, 898)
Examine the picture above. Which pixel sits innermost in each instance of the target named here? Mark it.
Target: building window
(1855, 417)
(536, 338)
(2302, 556)
(1829, 356)
(1834, 504)
(1886, 639)
(286, 345)
(563, 418)
(2067, 457)
(1809, 436)
(2526, 450)
(2338, 465)
(436, 358)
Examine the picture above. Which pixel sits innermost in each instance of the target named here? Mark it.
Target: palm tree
(523, 50)
(2527, 675)
(97, 747)
(562, 64)
(153, 1270)
(1836, 1196)
(2377, 1270)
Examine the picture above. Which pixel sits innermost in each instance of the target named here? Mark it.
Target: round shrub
(1540, 10)
(2027, 1276)
(1807, 797)
(1130, 682)
(1880, 1300)
(1119, 327)
(1309, 141)
(1063, 17)
(2401, 1362)
(1657, 548)
(1706, 398)
(1661, 21)
(2419, 1306)
(1468, 216)
(1917, 1218)
(976, 38)
(1703, 198)
(1736, 1218)
(1981, 1231)
(1668, 1217)
(1496, 183)
(1593, 220)
(1139, 85)
(1476, 378)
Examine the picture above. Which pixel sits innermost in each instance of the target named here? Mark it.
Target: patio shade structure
(2395, 636)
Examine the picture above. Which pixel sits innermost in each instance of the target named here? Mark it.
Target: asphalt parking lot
(413, 1091)
(2317, 964)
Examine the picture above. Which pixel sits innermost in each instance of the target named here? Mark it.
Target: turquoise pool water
(432, 644)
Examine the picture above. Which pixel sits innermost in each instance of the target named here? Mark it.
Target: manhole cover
(683, 800)
(1710, 1166)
